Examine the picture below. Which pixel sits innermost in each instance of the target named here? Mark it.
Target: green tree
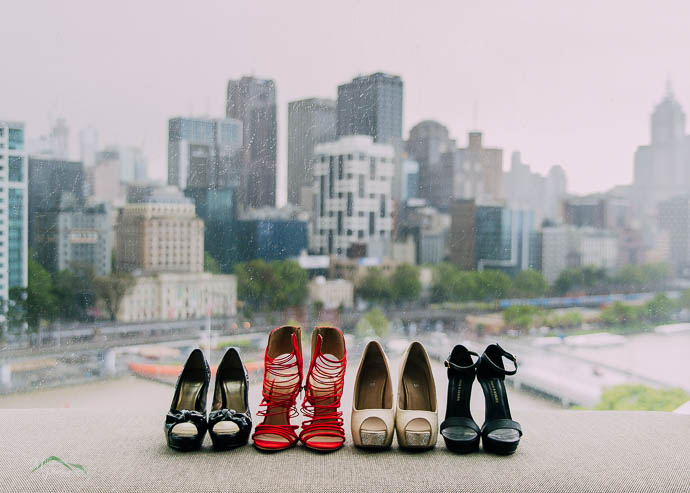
(566, 282)
(564, 320)
(656, 274)
(406, 285)
(38, 300)
(271, 286)
(291, 282)
(619, 313)
(587, 278)
(520, 316)
(659, 309)
(373, 323)
(630, 277)
(684, 300)
(74, 291)
(442, 288)
(493, 284)
(630, 397)
(375, 287)
(112, 289)
(529, 284)
(211, 264)
(255, 283)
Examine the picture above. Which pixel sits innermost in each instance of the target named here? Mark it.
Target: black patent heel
(230, 421)
(185, 423)
(459, 430)
(500, 434)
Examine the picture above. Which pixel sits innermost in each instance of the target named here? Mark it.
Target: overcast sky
(570, 83)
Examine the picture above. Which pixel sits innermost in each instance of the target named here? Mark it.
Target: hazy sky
(570, 83)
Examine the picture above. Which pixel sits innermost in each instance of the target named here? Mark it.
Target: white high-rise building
(662, 167)
(569, 247)
(353, 180)
(13, 209)
(88, 146)
(543, 194)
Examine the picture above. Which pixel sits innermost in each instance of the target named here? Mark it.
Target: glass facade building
(505, 239)
(13, 209)
(371, 105)
(270, 239)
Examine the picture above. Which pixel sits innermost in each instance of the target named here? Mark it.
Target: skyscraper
(253, 102)
(487, 162)
(353, 179)
(492, 237)
(202, 152)
(204, 161)
(662, 168)
(53, 183)
(428, 141)
(75, 236)
(371, 105)
(13, 209)
(88, 146)
(310, 122)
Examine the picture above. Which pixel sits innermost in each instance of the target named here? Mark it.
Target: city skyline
(582, 100)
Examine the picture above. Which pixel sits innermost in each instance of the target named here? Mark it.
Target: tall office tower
(13, 209)
(428, 141)
(88, 146)
(75, 236)
(130, 162)
(662, 168)
(310, 122)
(59, 139)
(53, 184)
(371, 105)
(353, 186)
(556, 192)
(492, 237)
(253, 102)
(116, 166)
(526, 188)
(674, 220)
(201, 152)
(409, 180)
(161, 235)
(487, 162)
(204, 160)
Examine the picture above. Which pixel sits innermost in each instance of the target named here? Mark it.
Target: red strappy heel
(282, 384)
(323, 430)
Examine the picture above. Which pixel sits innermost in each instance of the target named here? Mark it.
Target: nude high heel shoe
(373, 409)
(416, 420)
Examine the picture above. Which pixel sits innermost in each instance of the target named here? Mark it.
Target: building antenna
(475, 114)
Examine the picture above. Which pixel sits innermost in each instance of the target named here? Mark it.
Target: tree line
(73, 294)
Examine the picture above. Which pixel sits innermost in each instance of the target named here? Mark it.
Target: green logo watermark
(69, 465)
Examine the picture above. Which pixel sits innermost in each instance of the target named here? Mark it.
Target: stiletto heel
(500, 434)
(185, 423)
(323, 429)
(459, 430)
(416, 419)
(282, 384)
(373, 409)
(230, 421)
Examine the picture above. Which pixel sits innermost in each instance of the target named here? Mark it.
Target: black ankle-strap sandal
(500, 433)
(459, 430)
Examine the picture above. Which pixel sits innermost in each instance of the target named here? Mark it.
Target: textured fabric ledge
(569, 451)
